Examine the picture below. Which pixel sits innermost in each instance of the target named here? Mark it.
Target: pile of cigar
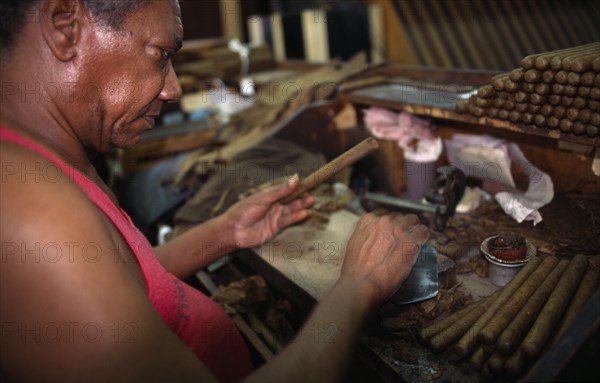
(552, 90)
(503, 334)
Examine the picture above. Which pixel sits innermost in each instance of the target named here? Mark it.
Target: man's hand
(260, 217)
(382, 251)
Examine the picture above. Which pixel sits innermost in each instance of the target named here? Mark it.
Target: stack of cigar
(504, 333)
(552, 90)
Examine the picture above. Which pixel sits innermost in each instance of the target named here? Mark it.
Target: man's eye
(167, 54)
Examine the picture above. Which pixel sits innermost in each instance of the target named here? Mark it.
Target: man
(83, 296)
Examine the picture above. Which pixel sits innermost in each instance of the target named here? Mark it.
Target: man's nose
(171, 90)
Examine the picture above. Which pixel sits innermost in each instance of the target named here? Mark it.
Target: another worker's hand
(260, 217)
(382, 251)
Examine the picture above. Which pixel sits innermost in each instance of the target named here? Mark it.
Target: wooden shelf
(451, 115)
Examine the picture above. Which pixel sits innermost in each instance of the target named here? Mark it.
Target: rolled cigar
(498, 82)
(594, 105)
(528, 62)
(579, 128)
(332, 168)
(552, 122)
(559, 111)
(546, 110)
(516, 75)
(582, 64)
(514, 116)
(521, 107)
(587, 78)
(486, 91)
(537, 99)
(461, 106)
(451, 334)
(478, 358)
(511, 307)
(533, 108)
(515, 364)
(543, 88)
(503, 114)
(578, 102)
(527, 118)
(509, 104)
(591, 130)
(469, 341)
(511, 86)
(548, 76)
(527, 87)
(583, 56)
(521, 96)
(484, 102)
(554, 99)
(594, 93)
(583, 91)
(496, 362)
(573, 78)
(440, 325)
(567, 101)
(492, 112)
(476, 111)
(570, 90)
(586, 288)
(596, 65)
(532, 76)
(584, 115)
(543, 62)
(513, 334)
(572, 113)
(540, 121)
(595, 119)
(557, 88)
(557, 303)
(561, 77)
(566, 125)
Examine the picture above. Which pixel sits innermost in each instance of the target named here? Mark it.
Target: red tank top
(195, 318)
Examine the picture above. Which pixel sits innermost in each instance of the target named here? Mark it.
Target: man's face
(125, 75)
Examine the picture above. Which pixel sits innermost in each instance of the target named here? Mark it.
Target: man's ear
(61, 25)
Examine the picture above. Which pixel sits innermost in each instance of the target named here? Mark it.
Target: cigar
(573, 113)
(516, 75)
(559, 111)
(570, 90)
(490, 333)
(584, 91)
(553, 122)
(546, 110)
(478, 358)
(542, 328)
(548, 76)
(587, 78)
(586, 288)
(527, 118)
(566, 125)
(567, 101)
(532, 76)
(469, 341)
(451, 334)
(442, 324)
(578, 102)
(579, 128)
(591, 130)
(513, 334)
(332, 168)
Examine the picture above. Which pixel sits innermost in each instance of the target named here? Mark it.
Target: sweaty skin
(95, 88)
